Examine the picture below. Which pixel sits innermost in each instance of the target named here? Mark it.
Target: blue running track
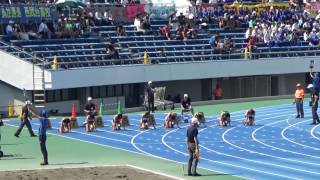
(279, 146)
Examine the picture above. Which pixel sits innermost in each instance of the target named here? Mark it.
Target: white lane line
(267, 155)
(159, 157)
(253, 135)
(259, 162)
(219, 162)
(113, 132)
(294, 142)
(313, 133)
(154, 172)
(85, 141)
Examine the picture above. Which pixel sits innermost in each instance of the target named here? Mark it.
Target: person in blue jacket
(43, 136)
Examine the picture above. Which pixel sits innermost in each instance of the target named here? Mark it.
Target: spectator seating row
(90, 52)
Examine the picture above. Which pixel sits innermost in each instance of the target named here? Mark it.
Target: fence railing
(192, 58)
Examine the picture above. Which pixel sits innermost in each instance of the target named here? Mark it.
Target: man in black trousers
(315, 100)
(26, 114)
(193, 147)
(150, 94)
(44, 122)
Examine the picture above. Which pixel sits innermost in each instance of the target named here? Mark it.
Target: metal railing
(190, 59)
(35, 59)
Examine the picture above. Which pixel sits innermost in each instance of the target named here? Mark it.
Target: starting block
(98, 121)
(125, 121)
(73, 123)
(186, 117)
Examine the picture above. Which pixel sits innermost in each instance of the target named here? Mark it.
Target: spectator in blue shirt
(43, 136)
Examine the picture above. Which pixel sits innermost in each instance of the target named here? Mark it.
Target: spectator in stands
(121, 31)
(191, 32)
(11, 31)
(313, 37)
(213, 41)
(58, 28)
(166, 32)
(145, 23)
(229, 44)
(181, 19)
(23, 33)
(137, 23)
(43, 30)
(112, 52)
(220, 46)
(68, 26)
(191, 20)
(31, 29)
(203, 24)
(251, 45)
(98, 17)
(248, 32)
(217, 92)
(221, 22)
(180, 35)
(107, 17)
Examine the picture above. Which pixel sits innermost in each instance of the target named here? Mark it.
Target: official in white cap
(193, 147)
(186, 105)
(25, 116)
(91, 112)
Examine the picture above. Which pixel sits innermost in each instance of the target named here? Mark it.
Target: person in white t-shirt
(44, 30)
(11, 31)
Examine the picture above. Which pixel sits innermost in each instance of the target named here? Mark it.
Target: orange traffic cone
(73, 122)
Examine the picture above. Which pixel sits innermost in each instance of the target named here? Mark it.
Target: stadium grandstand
(57, 53)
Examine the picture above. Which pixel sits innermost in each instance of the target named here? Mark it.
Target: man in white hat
(193, 147)
(186, 104)
(26, 114)
(91, 112)
(11, 32)
(149, 92)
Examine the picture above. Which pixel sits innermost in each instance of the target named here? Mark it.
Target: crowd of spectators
(64, 27)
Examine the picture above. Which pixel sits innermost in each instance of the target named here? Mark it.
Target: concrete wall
(10, 93)
(287, 83)
(19, 73)
(191, 87)
(62, 79)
